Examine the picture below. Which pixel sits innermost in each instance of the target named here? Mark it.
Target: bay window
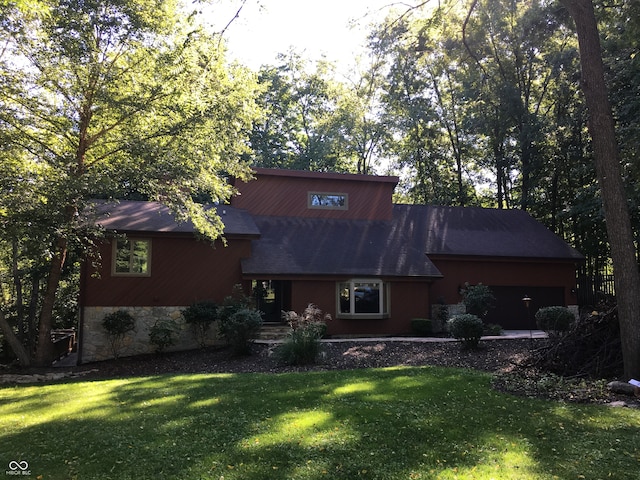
(363, 298)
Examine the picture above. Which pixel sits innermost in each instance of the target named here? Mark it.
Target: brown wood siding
(548, 282)
(408, 300)
(183, 270)
(501, 272)
(274, 195)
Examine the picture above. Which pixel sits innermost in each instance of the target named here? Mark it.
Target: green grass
(402, 423)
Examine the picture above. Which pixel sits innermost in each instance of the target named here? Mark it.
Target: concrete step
(274, 331)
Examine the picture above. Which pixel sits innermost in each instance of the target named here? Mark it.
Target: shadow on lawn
(391, 423)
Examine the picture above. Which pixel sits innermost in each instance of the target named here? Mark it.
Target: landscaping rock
(621, 387)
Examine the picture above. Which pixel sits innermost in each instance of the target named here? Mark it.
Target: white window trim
(384, 299)
(114, 254)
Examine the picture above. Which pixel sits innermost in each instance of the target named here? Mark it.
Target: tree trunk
(14, 342)
(606, 155)
(44, 351)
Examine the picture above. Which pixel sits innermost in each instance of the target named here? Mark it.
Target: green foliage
(162, 334)
(492, 329)
(200, 316)
(440, 317)
(115, 98)
(241, 328)
(231, 304)
(421, 327)
(302, 345)
(478, 299)
(238, 321)
(466, 327)
(118, 324)
(303, 125)
(554, 319)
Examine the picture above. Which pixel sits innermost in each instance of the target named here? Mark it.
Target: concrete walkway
(506, 335)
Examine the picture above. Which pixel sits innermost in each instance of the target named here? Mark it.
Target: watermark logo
(18, 467)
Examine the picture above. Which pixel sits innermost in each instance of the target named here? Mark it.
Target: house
(335, 240)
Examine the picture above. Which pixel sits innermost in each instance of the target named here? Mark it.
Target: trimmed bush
(161, 334)
(200, 316)
(241, 328)
(118, 324)
(439, 317)
(302, 345)
(466, 327)
(230, 305)
(492, 329)
(421, 327)
(554, 319)
(478, 299)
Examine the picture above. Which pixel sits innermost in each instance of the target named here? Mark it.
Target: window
(329, 201)
(131, 257)
(363, 298)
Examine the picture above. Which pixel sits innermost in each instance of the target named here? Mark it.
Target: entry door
(272, 298)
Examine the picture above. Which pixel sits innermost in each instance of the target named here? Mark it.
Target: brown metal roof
(141, 216)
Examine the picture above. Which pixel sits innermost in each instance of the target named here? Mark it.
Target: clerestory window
(328, 201)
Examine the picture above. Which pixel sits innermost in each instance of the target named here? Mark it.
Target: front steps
(274, 331)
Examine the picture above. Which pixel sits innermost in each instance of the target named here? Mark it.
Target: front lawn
(396, 423)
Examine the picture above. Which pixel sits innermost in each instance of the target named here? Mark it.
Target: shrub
(466, 327)
(200, 316)
(440, 315)
(302, 345)
(230, 305)
(118, 324)
(421, 327)
(554, 319)
(478, 299)
(161, 334)
(492, 329)
(241, 328)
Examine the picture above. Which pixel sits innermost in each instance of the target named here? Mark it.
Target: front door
(272, 298)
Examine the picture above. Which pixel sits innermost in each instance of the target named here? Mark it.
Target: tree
(105, 96)
(303, 124)
(607, 160)
(419, 123)
(359, 108)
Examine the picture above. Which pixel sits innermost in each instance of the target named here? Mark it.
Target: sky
(313, 28)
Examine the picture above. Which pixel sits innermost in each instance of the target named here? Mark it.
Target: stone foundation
(95, 341)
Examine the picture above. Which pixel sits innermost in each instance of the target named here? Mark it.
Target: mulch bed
(506, 358)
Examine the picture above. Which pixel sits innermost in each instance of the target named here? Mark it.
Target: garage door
(510, 312)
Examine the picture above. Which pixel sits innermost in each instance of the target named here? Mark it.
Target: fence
(592, 289)
(64, 341)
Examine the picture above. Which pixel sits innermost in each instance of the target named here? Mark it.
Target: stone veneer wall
(95, 341)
